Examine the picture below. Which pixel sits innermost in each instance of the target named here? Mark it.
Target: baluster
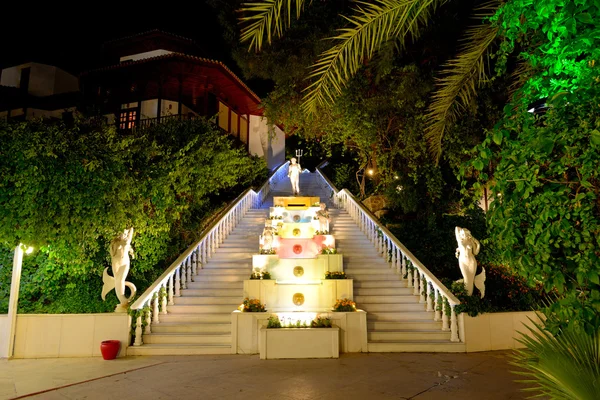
(445, 305)
(437, 315)
(178, 282)
(138, 331)
(184, 274)
(403, 265)
(163, 305)
(188, 268)
(422, 288)
(148, 329)
(429, 299)
(204, 251)
(416, 284)
(194, 265)
(213, 247)
(453, 325)
(409, 278)
(394, 259)
(170, 292)
(155, 319)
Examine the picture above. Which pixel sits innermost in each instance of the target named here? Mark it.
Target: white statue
(294, 175)
(120, 249)
(324, 218)
(267, 238)
(468, 248)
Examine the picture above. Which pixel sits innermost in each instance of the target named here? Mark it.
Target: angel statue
(468, 248)
(120, 249)
(294, 175)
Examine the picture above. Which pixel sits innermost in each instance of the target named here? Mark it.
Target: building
(37, 90)
(150, 78)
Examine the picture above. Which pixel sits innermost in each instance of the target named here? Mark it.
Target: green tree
(68, 190)
(544, 169)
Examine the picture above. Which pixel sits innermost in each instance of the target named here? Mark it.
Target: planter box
(4, 334)
(299, 343)
(245, 330)
(496, 331)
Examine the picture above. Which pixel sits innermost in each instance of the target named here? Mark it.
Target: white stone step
(222, 278)
(187, 338)
(374, 270)
(385, 307)
(404, 325)
(389, 316)
(212, 292)
(182, 327)
(442, 346)
(200, 300)
(389, 299)
(231, 256)
(197, 318)
(380, 284)
(177, 349)
(201, 309)
(383, 291)
(388, 275)
(217, 264)
(200, 285)
(214, 270)
(408, 336)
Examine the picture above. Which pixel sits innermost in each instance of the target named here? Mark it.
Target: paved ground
(481, 376)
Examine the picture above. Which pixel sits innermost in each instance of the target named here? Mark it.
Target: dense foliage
(545, 220)
(68, 190)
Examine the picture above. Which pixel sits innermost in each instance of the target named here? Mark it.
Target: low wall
(496, 331)
(245, 330)
(68, 335)
(4, 335)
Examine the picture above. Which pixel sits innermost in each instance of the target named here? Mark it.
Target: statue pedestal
(122, 308)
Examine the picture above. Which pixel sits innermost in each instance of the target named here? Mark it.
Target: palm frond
(461, 78)
(565, 366)
(371, 25)
(268, 17)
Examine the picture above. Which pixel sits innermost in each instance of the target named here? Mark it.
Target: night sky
(72, 39)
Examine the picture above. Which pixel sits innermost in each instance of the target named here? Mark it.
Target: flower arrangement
(316, 204)
(328, 250)
(335, 275)
(268, 251)
(320, 322)
(321, 232)
(253, 305)
(276, 217)
(260, 275)
(344, 305)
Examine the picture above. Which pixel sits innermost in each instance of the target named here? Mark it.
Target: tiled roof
(176, 55)
(149, 32)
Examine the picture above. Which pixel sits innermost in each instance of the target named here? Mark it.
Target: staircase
(199, 322)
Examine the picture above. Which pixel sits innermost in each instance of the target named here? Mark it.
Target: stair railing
(431, 291)
(181, 272)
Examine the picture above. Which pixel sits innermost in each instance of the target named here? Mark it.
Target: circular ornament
(296, 218)
(298, 299)
(296, 232)
(297, 249)
(298, 271)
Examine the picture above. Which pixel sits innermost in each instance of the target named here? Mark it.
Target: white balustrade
(185, 267)
(425, 285)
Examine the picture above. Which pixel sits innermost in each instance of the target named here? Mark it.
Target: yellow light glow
(26, 249)
(370, 172)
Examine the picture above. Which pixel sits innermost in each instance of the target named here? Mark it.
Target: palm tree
(370, 27)
(563, 366)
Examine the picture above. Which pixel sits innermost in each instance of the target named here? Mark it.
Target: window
(128, 119)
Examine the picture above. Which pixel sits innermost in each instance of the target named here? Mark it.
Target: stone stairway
(200, 320)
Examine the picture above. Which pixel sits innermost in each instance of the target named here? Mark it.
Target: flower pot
(110, 349)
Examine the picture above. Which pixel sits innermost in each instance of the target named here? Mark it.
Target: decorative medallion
(296, 218)
(297, 249)
(296, 232)
(298, 299)
(298, 271)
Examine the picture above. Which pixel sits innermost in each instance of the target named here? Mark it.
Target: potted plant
(110, 349)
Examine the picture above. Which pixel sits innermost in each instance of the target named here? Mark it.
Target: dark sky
(71, 37)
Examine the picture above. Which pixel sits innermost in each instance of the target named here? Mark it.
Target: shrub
(253, 305)
(335, 275)
(344, 305)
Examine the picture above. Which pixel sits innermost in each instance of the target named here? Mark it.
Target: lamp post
(14, 295)
(298, 155)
